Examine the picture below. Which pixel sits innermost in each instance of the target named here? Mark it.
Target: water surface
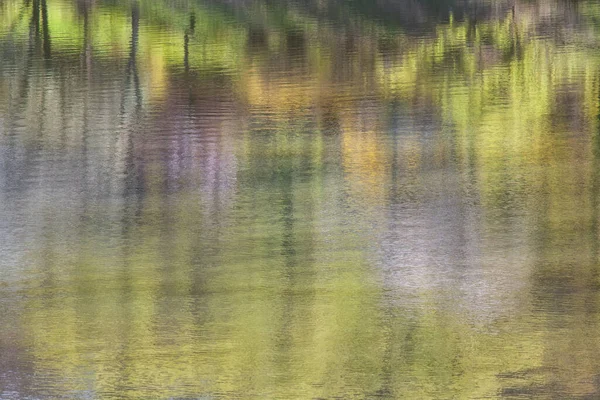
(299, 199)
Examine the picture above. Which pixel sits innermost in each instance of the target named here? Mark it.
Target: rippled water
(299, 199)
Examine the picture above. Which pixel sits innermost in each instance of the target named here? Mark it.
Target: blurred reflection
(311, 199)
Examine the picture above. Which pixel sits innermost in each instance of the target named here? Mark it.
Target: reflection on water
(311, 199)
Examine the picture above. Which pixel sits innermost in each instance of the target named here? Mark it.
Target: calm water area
(310, 199)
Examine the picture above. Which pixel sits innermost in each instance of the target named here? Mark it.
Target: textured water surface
(299, 199)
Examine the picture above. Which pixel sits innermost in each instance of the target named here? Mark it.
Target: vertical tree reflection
(45, 30)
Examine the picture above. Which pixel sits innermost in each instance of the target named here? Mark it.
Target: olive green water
(299, 199)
